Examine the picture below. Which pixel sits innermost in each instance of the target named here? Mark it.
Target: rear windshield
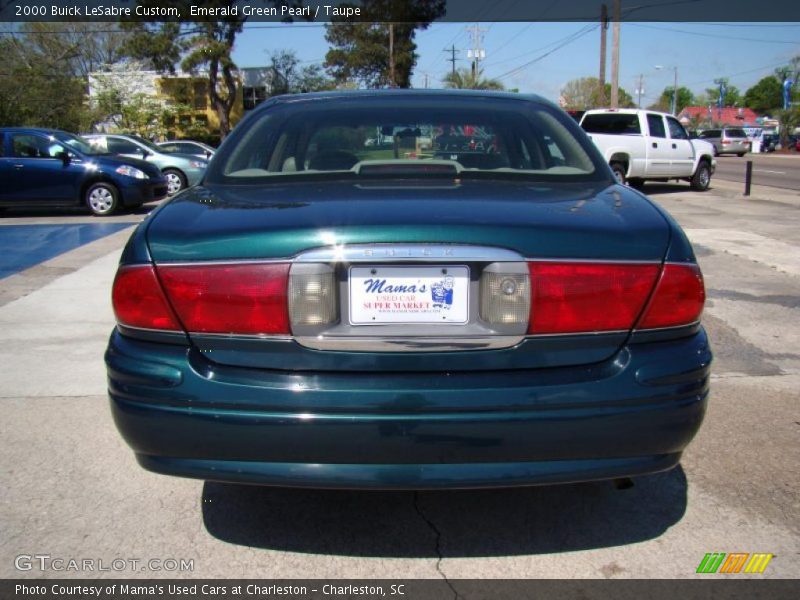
(736, 133)
(612, 123)
(405, 139)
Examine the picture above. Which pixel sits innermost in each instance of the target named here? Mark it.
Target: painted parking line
(23, 246)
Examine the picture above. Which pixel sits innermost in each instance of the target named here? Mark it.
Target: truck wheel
(619, 172)
(701, 178)
(636, 183)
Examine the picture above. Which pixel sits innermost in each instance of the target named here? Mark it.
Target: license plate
(409, 294)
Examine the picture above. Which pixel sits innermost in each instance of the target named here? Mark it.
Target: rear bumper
(630, 415)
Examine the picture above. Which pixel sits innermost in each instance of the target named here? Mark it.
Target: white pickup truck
(644, 145)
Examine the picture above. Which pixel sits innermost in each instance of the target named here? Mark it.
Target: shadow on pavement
(477, 523)
(657, 189)
(70, 211)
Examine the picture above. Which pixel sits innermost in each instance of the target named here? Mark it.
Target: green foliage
(584, 94)
(290, 78)
(685, 98)
(193, 46)
(766, 96)
(360, 51)
(732, 96)
(37, 90)
(789, 120)
(468, 79)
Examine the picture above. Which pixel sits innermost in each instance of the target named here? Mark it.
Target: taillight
(138, 300)
(588, 297)
(678, 298)
(248, 299)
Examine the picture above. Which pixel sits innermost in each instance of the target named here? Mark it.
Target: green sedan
(180, 170)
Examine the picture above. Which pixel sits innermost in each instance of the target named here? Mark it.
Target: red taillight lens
(678, 299)
(138, 300)
(245, 299)
(588, 297)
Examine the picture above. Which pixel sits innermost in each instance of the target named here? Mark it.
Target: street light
(674, 87)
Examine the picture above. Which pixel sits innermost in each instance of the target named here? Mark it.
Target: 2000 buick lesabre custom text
(408, 289)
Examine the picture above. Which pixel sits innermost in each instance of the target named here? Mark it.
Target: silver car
(728, 140)
(180, 170)
(188, 147)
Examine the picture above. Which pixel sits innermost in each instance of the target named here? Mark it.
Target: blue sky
(743, 52)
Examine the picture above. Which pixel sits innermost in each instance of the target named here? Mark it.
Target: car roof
(31, 130)
(627, 111)
(439, 94)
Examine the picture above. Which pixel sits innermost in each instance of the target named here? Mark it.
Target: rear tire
(176, 181)
(740, 154)
(701, 179)
(619, 172)
(102, 199)
(636, 183)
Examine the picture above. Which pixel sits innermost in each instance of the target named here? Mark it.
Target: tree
(732, 95)
(788, 120)
(360, 50)
(290, 78)
(195, 46)
(40, 82)
(124, 102)
(765, 96)
(583, 94)
(685, 98)
(466, 78)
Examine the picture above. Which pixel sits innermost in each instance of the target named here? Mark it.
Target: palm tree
(469, 79)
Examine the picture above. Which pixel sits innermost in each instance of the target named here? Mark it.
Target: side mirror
(145, 153)
(64, 156)
(208, 154)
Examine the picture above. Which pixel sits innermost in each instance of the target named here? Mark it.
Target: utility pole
(601, 95)
(452, 50)
(615, 56)
(675, 92)
(425, 75)
(392, 81)
(476, 53)
(640, 90)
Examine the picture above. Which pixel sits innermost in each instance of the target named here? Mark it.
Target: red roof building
(735, 117)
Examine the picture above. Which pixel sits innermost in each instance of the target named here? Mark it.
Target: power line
(713, 35)
(567, 40)
(73, 32)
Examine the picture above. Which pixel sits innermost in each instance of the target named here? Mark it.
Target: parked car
(646, 145)
(337, 316)
(180, 170)
(198, 149)
(728, 140)
(48, 167)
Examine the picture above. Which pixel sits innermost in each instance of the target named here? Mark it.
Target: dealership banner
(397, 11)
(399, 589)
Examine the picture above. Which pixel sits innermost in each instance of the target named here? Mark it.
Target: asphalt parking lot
(73, 490)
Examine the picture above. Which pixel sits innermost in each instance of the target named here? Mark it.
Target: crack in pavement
(438, 533)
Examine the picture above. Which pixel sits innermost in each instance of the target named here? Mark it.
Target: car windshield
(736, 133)
(78, 144)
(407, 139)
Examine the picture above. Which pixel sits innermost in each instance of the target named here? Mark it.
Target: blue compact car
(45, 167)
(326, 311)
